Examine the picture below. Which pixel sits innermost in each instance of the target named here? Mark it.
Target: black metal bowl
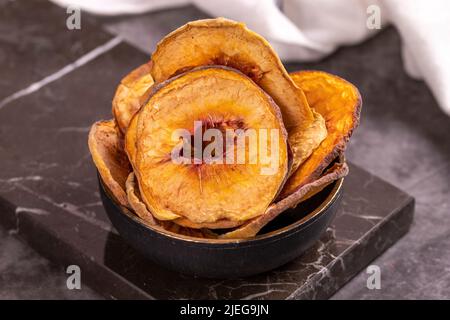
(282, 240)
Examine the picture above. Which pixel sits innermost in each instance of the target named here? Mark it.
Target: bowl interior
(305, 211)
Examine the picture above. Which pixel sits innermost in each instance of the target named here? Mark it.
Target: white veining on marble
(17, 179)
(268, 286)
(39, 212)
(91, 55)
(68, 207)
(93, 204)
(73, 184)
(261, 294)
(74, 129)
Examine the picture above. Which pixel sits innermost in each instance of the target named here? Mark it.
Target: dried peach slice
(225, 42)
(205, 192)
(339, 102)
(109, 158)
(130, 94)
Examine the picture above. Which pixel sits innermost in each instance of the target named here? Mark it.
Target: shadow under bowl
(282, 240)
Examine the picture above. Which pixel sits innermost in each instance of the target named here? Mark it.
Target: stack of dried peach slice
(278, 137)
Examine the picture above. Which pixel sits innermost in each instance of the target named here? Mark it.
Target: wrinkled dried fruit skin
(130, 95)
(139, 208)
(197, 233)
(304, 140)
(339, 102)
(111, 161)
(130, 140)
(233, 192)
(134, 199)
(220, 224)
(224, 42)
(252, 227)
(130, 143)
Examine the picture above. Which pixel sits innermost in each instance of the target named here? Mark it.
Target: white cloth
(307, 30)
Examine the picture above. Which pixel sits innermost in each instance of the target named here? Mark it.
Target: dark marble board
(49, 196)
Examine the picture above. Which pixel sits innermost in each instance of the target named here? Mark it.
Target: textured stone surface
(35, 42)
(418, 266)
(48, 185)
(24, 274)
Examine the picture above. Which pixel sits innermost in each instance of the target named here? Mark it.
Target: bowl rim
(310, 217)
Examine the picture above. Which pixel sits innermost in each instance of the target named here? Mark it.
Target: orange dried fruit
(220, 98)
(130, 140)
(217, 74)
(304, 139)
(225, 42)
(111, 161)
(130, 95)
(140, 209)
(134, 199)
(339, 102)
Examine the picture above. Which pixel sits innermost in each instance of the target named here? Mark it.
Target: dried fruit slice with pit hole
(203, 192)
(111, 161)
(225, 42)
(130, 95)
(339, 102)
(252, 227)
